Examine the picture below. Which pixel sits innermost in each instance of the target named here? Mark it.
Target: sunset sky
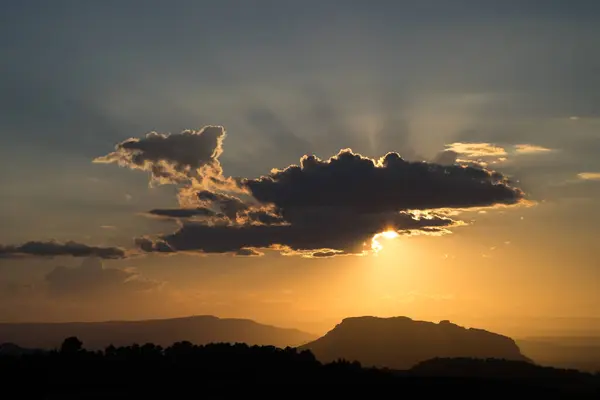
(229, 158)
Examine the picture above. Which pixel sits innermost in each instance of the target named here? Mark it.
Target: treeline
(149, 369)
(147, 366)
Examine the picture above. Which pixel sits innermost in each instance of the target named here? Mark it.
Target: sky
(243, 159)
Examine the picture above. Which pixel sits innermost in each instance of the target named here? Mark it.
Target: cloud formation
(478, 155)
(477, 149)
(319, 208)
(182, 212)
(331, 233)
(589, 176)
(53, 249)
(363, 185)
(530, 149)
(248, 252)
(172, 158)
(219, 209)
(483, 154)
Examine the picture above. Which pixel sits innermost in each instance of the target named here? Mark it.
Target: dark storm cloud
(172, 158)
(340, 232)
(320, 208)
(52, 249)
(91, 277)
(389, 184)
(325, 208)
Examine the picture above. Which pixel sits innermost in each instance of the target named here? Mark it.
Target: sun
(389, 234)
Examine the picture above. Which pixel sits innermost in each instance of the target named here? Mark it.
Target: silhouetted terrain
(564, 381)
(400, 342)
(11, 349)
(184, 369)
(419, 359)
(197, 329)
(577, 352)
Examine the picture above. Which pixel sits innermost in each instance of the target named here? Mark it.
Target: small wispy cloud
(531, 149)
(589, 176)
(483, 154)
(477, 149)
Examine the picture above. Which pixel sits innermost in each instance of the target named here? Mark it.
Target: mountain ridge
(401, 342)
(199, 329)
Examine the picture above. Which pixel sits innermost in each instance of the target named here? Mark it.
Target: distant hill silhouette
(400, 342)
(196, 329)
(582, 353)
(11, 349)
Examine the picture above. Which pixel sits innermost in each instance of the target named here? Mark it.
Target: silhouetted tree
(71, 345)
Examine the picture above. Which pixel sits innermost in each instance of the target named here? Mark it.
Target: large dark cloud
(328, 233)
(319, 208)
(364, 185)
(53, 248)
(324, 208)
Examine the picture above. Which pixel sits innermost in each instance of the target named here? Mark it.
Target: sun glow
(376, 246)
(390, 234)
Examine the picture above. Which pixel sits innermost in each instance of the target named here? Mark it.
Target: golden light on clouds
(589, 176)
(477, 149)
(530, 148)
(489, 153)
(376, 246)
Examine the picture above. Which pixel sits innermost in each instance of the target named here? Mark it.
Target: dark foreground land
(184, 370)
